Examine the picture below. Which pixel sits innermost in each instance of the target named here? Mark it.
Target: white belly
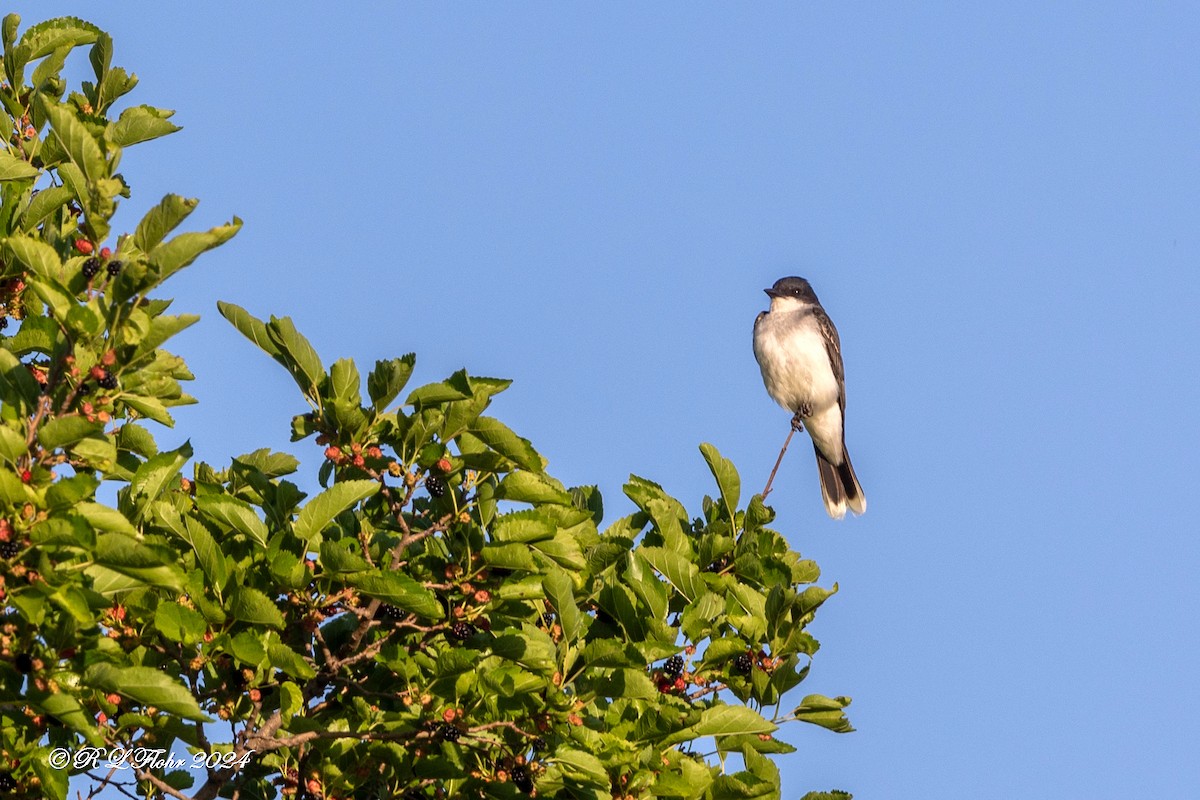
(796, 371)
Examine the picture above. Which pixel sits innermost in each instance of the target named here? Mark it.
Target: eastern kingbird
(800, 356)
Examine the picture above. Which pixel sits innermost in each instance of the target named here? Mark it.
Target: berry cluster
(463, 631)
(91, 268)
(107, 381)
(539, 744)
(673, 667)
(389, 611)
(24, 663)
(521, 778)
(435, 486)
(446, 732)
(743, 664)
(114, 267)
(7, 782)
(9, 549)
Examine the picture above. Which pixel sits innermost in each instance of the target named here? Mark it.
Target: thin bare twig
(778, 461)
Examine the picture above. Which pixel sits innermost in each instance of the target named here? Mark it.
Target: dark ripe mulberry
(539, 744)
(463, 631)
(91, 267)
(389, 611)
(109, 381)
(435, 486)
(114, 267)
(547, 619)
(521, 778)
(3, 323)
(447, 733)
(743, 664)
(7, 782)
(24, 663)
(673, 666)
(9, 549)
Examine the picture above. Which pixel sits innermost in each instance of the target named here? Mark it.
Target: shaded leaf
(147, 686)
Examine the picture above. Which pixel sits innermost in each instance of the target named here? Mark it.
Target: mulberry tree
(440, 617)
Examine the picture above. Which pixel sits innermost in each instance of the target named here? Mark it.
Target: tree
(442, 619)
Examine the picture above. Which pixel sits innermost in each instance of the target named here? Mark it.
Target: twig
(778, 461)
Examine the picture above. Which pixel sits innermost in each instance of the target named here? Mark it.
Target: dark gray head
(797, 288)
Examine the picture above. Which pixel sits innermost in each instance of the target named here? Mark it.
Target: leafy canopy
(443, 618)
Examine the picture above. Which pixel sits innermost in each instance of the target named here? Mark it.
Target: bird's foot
(798, 418)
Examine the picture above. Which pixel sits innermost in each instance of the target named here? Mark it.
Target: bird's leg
(798, 419)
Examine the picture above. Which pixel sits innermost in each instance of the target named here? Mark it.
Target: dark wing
(833, 346)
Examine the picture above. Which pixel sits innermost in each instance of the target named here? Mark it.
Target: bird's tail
(839, 486)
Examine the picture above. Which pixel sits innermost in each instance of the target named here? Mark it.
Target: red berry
(84, 246)
(333, 453)
(444, 465)
(105, 253)
(26, 476)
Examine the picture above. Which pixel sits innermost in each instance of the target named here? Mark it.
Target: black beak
(773, 292)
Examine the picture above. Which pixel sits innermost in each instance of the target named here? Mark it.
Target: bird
(800, 355)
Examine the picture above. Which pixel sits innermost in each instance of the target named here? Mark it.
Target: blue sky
(997, 203)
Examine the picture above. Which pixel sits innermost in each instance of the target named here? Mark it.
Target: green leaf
(388, 379)
(170, 257)
(290, 701)
(179, 623)
(234, 514)
(320, 511)
(299, 355)
(338, 557)
(530, 487)
(727, 478)
(104, 519)
(345, 382)
(17, 386)
(154, 476)
(35, 254)
(399, 590)
(285, 659)
(65, 431)
(250, 605)
(66, 709)
(679, 571)
(723, 720)
(149, 407)
(523, 526)
(560, 590)
(581, 766)
(12, 445)
(454, 388)
(13, 168)
(140, 124)
(496, 435)
(161, 220)
(37, 335)
(824, 711)
(79, 144)
(147, 686)
(119, 553)
(45, 203)
(46, 37)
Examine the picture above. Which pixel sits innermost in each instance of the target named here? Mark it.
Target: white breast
(794, 362)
